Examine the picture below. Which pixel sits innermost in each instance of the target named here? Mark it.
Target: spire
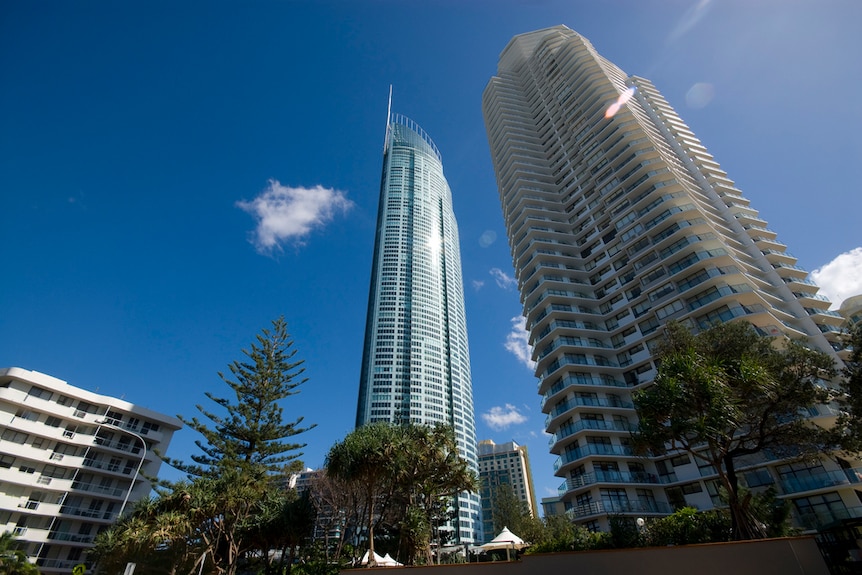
(388, 119)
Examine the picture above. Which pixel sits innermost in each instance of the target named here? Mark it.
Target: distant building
(619, 220)
(71, 461)
(552, 506)
(416, 361)
(504, 464)
(851, 310)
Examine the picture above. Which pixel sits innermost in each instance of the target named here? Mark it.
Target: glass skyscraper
(416, 361)
(619, 220)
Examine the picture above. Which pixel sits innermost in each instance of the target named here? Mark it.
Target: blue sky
(176, 175)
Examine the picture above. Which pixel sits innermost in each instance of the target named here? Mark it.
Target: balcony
(583, 424)
(572, 359)
(87, 512)
(100, 489)
(71, 537)
(608, 477)
(822, 519)
(592, 449)
(126, 447)
(591, 379)
(620, 507)
(573, 402)
(821, 480)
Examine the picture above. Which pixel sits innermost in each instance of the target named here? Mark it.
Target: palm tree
(13, 561)
(366, 457)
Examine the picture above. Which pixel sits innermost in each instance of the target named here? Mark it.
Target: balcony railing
(73, 537)
(619, 507)
(583, 379)
(592, 449)
(129, 447)
(608, 477)
(821, 519)
(821, 480)
(588, 402)
(87, 512)
(96, 488)
(583, 424)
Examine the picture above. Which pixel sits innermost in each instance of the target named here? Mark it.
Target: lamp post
(140, 463)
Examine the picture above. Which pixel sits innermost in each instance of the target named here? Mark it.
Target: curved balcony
(592, 449)
(587, 479)
(583, 424)
(575, 402)
(821, 480)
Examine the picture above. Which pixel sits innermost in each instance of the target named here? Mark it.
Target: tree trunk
(743, 524)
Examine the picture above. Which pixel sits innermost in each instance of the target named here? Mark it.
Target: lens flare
(699, 95)
(615, 107)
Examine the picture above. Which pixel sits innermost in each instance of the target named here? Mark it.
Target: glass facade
(416, 362)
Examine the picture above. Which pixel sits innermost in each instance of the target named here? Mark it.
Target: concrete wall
(787, 556)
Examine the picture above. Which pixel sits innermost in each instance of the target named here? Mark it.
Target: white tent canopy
(505, 540)
(365, 558)
(386, 561)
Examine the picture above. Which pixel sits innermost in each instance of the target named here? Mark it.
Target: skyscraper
(415, 361)
(504, 464)
(619, 220)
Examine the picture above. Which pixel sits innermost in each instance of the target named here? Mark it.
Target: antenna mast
(388, 118)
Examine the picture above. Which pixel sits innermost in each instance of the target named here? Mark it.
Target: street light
(111, 425)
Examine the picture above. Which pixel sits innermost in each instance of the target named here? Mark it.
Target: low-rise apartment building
(71, 462)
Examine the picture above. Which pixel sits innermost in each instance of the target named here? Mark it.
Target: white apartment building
(618, 221)
(507, 463)
(71, 461)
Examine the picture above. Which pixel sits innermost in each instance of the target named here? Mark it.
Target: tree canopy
(251, 435)
(217, 516)
(846, 434)
(728, 392)
(407, 476)
(13, 561)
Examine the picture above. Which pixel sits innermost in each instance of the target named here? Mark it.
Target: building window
(39, 392)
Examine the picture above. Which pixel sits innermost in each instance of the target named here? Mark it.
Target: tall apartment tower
(619, 220)
(416, 362)
(71, 462)
(504, 464)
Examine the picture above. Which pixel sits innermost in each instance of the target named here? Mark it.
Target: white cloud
(499, 418)
(503, 280)
(290, 214)
(518, 342)
(841, 278)
(478, 284)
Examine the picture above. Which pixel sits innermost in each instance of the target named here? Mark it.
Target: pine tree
(251, 437)
(243, 450)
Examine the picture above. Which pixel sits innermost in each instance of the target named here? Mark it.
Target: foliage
(250, 438)
(557, 533)
(686, 526)
(338, 508)
(212, 520)
(728, 392)
(365, 458)
(847, 432)
(407, 476)
(624, 532)
(13, 561)
(509, 510)
(283, 521)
